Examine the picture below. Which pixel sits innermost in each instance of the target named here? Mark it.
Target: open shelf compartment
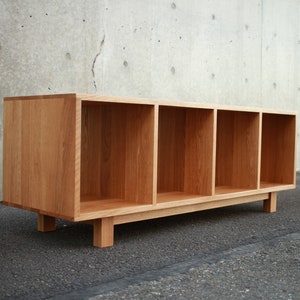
(185, 153)
(237, 151)
(277, 150)
(117, 154)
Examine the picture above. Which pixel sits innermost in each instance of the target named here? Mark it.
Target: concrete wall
(242, 52)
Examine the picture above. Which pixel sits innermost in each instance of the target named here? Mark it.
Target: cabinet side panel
(34, 184)
(12, 127)
(46, 148)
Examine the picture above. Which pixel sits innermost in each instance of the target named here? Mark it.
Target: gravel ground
(177, 250)
(272, 272)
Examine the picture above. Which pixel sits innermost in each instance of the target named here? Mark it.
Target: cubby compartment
(237, 151)
(117, 152)
(277, 150)
(185, 153)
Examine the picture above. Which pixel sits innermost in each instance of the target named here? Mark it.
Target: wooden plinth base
(270, 204)
(103, 235)
(104, 232)
(46, 223)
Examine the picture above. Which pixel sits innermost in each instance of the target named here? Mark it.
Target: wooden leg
(46, 223)
(270, 204)
(104, 232)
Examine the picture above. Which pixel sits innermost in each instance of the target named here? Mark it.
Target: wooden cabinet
(112, 160)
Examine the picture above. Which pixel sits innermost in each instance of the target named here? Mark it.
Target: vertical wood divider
(295, 149)
(155, 153)
(214, 155)
(77, 157)
(259, 150)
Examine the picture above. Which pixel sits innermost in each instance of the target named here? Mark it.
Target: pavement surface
(237, 252)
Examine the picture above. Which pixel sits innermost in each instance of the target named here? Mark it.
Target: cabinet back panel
(139, 154)
(103, 151)
(91, 142)
(198, 168)
(171, 139)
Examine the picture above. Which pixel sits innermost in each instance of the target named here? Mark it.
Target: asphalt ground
(236, 252)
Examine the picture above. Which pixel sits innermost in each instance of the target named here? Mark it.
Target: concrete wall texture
(240, 52)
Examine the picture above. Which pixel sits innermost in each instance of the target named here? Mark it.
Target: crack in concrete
(94, 61)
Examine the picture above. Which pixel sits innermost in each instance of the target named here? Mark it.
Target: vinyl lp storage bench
(113, 160)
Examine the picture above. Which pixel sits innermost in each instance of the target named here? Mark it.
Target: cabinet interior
(116, 155)
(277, 149)
(136, 154)
(185, 153)
(237, 151)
